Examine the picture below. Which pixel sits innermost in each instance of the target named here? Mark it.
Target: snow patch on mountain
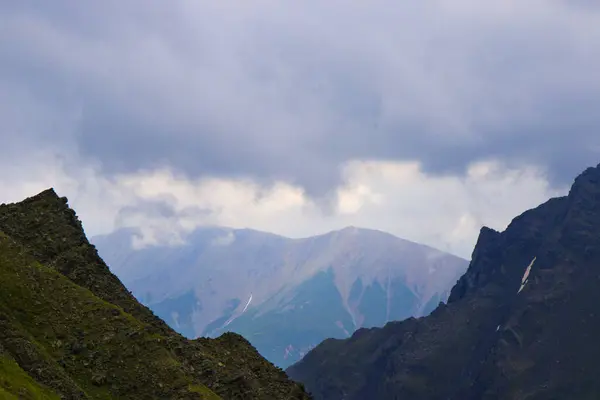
(237, 315)
(526, 275)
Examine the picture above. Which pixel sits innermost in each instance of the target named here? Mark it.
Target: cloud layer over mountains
(300, 101)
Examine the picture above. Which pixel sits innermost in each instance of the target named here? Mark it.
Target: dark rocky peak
(584, 197)
(500, 258)
(587, 182)
(521, 323)
(582, 217)
(48, 194)
(482, 262)
(44, 223)
(541, 232)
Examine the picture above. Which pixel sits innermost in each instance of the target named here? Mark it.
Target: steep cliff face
(69, 328)
(520, 324)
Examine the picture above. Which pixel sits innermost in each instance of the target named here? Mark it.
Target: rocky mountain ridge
(520, 324)
(69, 329)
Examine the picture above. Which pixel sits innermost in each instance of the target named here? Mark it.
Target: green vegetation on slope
(16, 384)
(72, 327)
(83, 335)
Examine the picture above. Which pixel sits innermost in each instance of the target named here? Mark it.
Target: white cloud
(445, 212)
(224, 240)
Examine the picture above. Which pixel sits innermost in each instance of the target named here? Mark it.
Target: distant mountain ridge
(284, 295)
(521, 323)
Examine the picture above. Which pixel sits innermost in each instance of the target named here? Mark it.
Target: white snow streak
(526, 275)
(230, 320)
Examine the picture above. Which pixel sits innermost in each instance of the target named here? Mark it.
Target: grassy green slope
(16, 384)
(72, 326)
(91, 348)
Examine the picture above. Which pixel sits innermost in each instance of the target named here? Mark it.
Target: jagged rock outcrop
(521, 323)
(69, 329)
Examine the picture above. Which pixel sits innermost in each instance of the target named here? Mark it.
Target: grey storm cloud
(160, 209)
(291, 90)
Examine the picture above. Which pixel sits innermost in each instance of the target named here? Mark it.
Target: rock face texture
(522, 323)
(70, 330)
(284, 295)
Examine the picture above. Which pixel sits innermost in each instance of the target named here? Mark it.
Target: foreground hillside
(284, 295)
(70, 330)
(522, 323)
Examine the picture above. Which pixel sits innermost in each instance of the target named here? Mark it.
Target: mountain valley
(284, 295)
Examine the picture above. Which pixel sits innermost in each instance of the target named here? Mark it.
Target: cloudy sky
(424, 119)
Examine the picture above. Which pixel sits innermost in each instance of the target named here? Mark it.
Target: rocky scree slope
(522, 323)
(70, 330)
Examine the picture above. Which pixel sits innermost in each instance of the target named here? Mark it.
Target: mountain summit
(70, 330)
(284, 295)
(522, 323)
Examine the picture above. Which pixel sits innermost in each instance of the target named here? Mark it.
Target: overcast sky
(424, 119)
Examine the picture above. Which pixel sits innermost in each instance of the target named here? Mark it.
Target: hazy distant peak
(355, 231)
(329, 284)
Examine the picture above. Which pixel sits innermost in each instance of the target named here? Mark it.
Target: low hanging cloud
(164, 207)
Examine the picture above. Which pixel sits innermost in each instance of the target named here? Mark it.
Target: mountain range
(70, 330)
(521, 323)
(284, 295)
